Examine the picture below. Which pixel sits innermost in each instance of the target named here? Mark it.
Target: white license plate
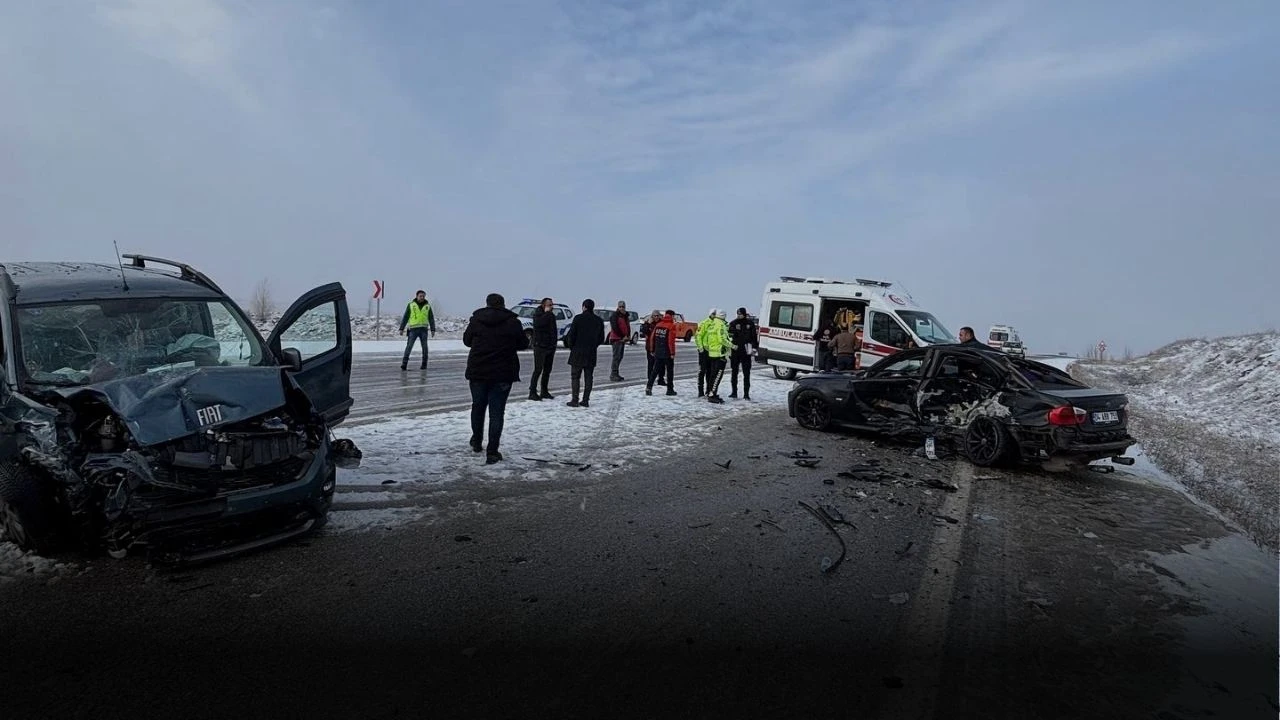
(1106, 417)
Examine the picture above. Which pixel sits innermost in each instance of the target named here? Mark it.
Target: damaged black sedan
(139, 407)
(991, 406)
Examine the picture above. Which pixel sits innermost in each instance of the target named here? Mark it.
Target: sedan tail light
(1067, 415)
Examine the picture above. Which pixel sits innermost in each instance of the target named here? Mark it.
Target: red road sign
(377, 289)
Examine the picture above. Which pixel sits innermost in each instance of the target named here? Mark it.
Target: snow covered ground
(406, 459)
(1208, 413)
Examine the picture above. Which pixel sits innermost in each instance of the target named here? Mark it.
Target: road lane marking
(922, 632)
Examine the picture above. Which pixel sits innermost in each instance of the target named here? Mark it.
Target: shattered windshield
(926, 327)
(82, 343)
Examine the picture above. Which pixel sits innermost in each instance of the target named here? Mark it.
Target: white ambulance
(795, 310)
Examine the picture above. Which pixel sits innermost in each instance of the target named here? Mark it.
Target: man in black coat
(495, 336)
(545, 334)
(585, 336)
(746, 338)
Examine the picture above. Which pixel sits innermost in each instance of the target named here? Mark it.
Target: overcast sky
(1083, 170)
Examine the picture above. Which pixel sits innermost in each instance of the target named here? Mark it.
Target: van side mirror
(292, 358)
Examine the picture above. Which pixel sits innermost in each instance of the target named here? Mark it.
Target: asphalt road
(380, 388)
(684, 589)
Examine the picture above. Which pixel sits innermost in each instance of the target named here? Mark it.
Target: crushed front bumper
(237, 521)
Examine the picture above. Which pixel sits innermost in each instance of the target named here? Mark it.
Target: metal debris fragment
(822, 518)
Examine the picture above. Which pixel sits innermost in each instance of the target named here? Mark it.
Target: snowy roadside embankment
(407, 460)
(363, 327)
(1208, 412)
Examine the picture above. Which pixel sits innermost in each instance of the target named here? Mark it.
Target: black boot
(533, 395)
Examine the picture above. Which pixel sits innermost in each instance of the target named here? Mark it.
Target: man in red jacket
(661, 344)
(619, 336)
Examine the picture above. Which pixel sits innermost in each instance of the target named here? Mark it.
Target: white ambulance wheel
(784, 373)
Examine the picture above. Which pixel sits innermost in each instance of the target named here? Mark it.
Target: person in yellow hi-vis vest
(416, 322)
(717, 344)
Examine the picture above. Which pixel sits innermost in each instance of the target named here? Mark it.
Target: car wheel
(688, 335)
(986, 442)
(27, 516)
(784, 373)
(813, 412)
(528, 335)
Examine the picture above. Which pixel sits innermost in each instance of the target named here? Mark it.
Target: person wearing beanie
(699, 339)
(746, 339)
(718, 346)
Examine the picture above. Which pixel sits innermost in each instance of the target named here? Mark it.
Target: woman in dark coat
(584, 338)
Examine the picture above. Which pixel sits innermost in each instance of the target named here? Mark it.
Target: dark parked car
(139, 407)
(993, 406)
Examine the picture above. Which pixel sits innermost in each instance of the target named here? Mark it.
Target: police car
(526, 308)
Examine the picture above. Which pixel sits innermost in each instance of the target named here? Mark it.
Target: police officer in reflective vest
(416, 322)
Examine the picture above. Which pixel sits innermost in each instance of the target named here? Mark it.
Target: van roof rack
(814, 280)
(188, 272)
(876, 283)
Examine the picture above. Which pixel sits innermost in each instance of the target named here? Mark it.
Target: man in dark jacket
(746, 339)
(545, 334)
(585, 336)
(619, 336)
(967, 337)
(661, 345)
(495, 336)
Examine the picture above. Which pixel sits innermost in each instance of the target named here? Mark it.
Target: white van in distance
(795, 310)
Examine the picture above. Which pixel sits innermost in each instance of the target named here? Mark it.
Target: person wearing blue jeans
(417, 321)
(495, 337)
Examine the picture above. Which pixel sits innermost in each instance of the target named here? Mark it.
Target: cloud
(200, 37)
(656, 95)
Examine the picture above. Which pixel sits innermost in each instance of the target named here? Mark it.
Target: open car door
(313, 339)
(885, 394)
(957, 382)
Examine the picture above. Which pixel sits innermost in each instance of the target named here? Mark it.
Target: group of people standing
(716, 340)
(495, 336)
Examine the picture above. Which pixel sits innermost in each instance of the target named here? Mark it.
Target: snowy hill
(363, 327)
(1208, 411)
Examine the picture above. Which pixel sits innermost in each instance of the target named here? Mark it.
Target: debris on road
(828, 481)
(942, 485)
(906, 551)
(899, 598)
(950, 520)
(697, 525)
(774, 523)
(822, 518)
(1091, 536)
(724, 464)
(1102, 468)
(808, 462)
(462, 538)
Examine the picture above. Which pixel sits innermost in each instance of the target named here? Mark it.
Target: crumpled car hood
(163, 407)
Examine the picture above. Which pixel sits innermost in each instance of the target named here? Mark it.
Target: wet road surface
(683, 589)
(380, 388)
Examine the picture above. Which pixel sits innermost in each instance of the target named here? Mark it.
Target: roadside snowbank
(1208, 412)
(542, 441)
